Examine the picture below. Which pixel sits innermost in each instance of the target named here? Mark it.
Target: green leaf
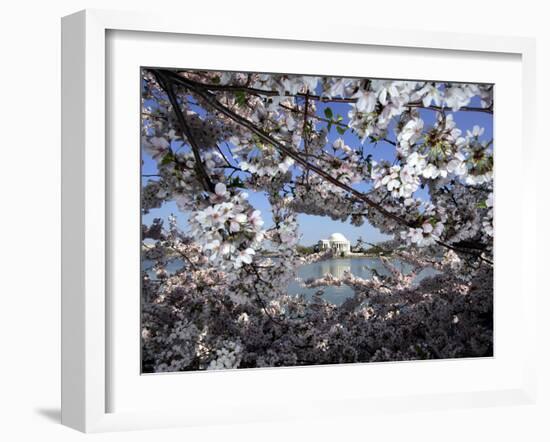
(341, 130)
(328, 113)
(216, 80)
(339, 117)
(236, 182)
(482, 205)
(167, 159)
(240, 98)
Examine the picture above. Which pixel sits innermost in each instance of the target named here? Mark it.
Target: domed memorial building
(337, 242)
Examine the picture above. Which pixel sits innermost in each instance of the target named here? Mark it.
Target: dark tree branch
(305, 135)
(487, 110)
(467, 250)
(185, 130)
(387, 140)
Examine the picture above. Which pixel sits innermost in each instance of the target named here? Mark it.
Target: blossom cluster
(228, 229)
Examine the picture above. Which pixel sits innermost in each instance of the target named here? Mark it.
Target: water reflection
(360, 267)
(336, 267)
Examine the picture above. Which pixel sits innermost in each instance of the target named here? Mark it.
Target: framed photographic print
(244, 272)
(251, 233)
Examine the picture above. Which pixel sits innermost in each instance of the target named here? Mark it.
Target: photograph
(293, 220)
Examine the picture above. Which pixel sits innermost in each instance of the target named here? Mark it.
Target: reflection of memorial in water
(360, 267)
(336, 267)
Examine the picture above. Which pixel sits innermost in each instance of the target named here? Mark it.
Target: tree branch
(184, 129)
(305, 136)
(487, 110)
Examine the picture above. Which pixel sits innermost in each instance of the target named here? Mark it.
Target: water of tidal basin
(358, 266)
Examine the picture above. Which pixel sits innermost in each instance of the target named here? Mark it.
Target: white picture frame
(86, 307)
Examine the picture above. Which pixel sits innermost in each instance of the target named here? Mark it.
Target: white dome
(337, 237)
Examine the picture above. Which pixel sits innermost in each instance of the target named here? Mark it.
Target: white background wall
(30, 220)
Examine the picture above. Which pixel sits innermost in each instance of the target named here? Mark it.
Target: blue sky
(313, 228)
